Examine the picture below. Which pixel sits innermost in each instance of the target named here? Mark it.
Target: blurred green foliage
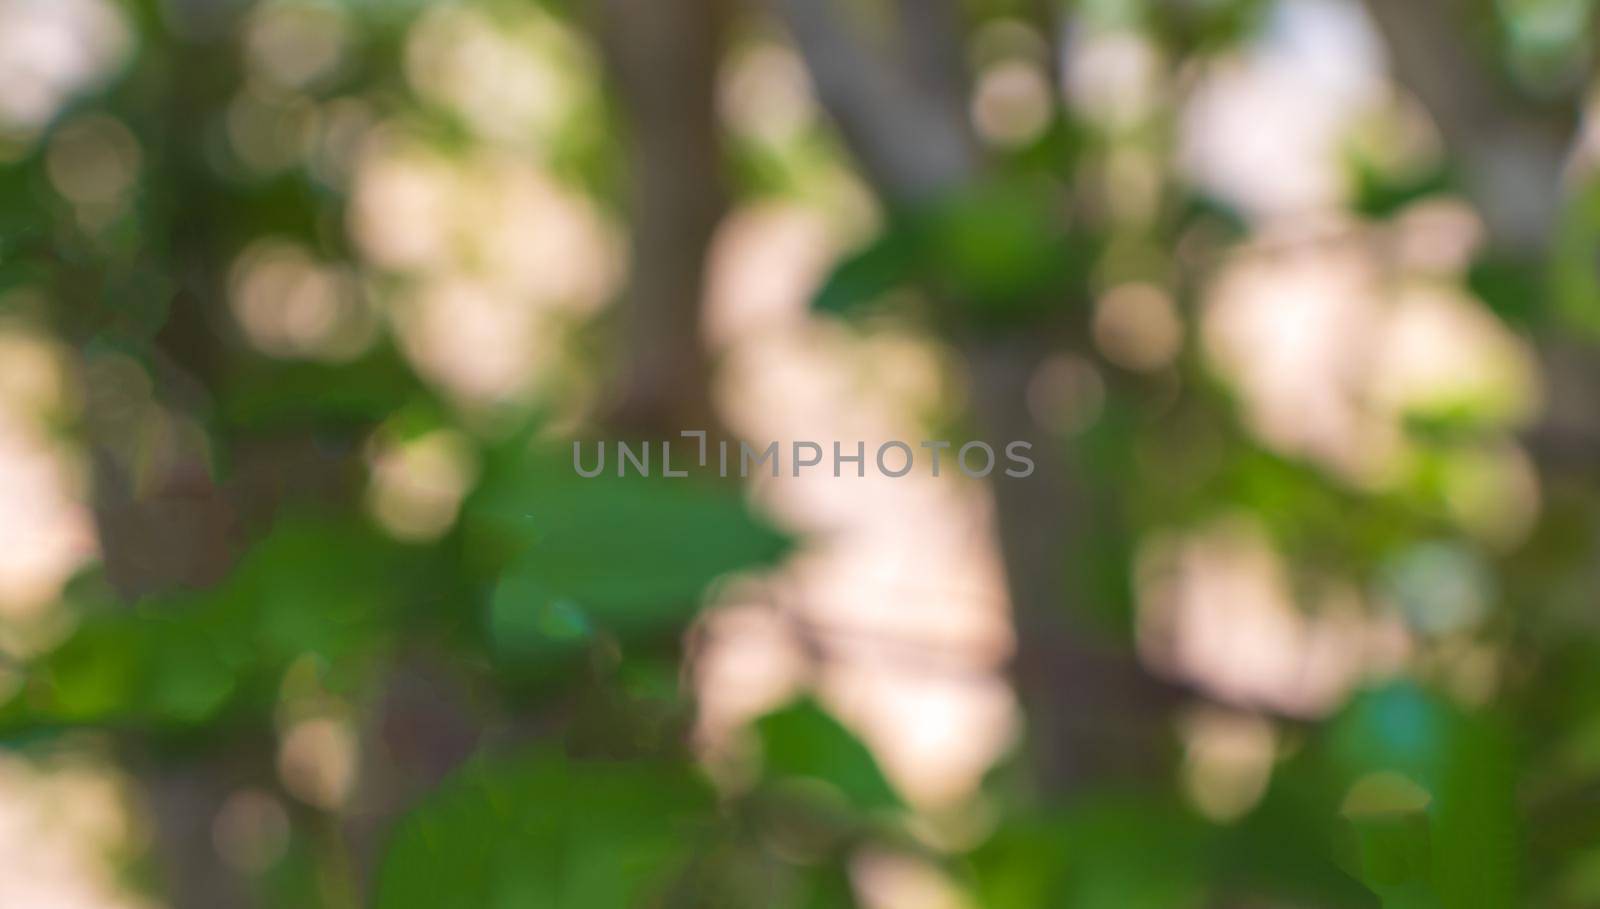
(547, 761)
(546, 831)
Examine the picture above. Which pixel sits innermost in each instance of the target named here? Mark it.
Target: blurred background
(304, 302)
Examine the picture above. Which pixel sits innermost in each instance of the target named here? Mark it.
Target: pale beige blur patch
(34, 381)
(1228, 760)
(1431, 352)
(269, 132)
(488, 214)
(760, 255)
(1397, 137)
(885, 879)
(419, 212)
(50, 51)
(1012, 103)
(93, 161)
(63, 829)
(1247, 132)
(513, 76)
(1216, 607)
(896, 601)
(318, 745)
(317, 760)
(1291, 323)
(748, 662)
(1333, 355)
(1384, 793)
(417, 485)
(46, 530)
(765, 94)
(400, 213)
(479, 344)
(1133, 184)
(1492, 491)
(496, 261)
(1437, 236)
(293, 44)
(520, 229)
(1441, 352)
(936, 726)
(1006, 38)
(1114, 77)
(1137, 327)
(289, 304)
(1250, 136)
(343, 127)
(1585, 152)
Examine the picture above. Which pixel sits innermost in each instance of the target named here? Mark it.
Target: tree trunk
(1093, 711)
(662, 56)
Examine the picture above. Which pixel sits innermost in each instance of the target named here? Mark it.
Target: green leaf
(890, 261)
(531, 622)
(1382, 194)
(268, 393)
(1575, 263)
(1514, 290)
(629, 554)
(1110, 851)
(994, 253)
(1285, 851)
(544, 832)
(1460, 846)
(318, 586)
(1003, 253)
(803, 741)
(309, 587)
(1396, 863)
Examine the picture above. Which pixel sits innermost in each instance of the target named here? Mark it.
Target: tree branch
(908, 140)
(1513, 151)
(662, 59)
